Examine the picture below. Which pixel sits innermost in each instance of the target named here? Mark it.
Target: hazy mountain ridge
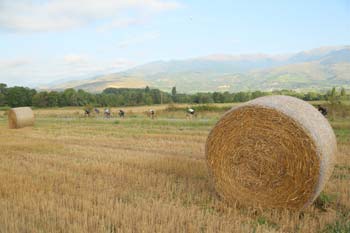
(320, 68)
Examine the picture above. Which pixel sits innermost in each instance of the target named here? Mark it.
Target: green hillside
(315, 69)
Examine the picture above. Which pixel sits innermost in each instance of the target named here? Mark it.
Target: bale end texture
(274, 152)
(20, 117)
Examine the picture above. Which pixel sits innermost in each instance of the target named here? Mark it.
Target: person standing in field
(107, 113)
(152, 114)
(121, 113)
(87, 112)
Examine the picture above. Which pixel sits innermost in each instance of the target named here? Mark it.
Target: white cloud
(76, 65)
(137, 39)
(27, 15)
(75, 59)
(121, 64)
(13, 63)
(34, 73)
(122, 22)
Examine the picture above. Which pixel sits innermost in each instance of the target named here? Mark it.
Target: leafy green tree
(241, 97)
(334, 101)
(156, 96)
(174, 94)
(257, 94)
(228, 97)
(148, 100)
(342, 92)
(332, 97)
(53, 99)
(40, 99)
(218, 97)
(3, 91)
(183, 98)
(70, 97)
(311, 96)
(83, 98)
(20, 96)
(202, 98)
(3, 88)
(2, 99)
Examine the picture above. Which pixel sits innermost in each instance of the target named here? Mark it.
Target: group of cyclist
(189, 114)
(151, 113)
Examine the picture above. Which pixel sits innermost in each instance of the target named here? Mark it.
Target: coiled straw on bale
(20, 117)
(274, 151)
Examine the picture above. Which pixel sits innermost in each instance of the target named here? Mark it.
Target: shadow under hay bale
(20, 117)
(274, 151)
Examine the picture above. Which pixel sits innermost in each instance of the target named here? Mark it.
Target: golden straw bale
(274, 151)
(20, 117)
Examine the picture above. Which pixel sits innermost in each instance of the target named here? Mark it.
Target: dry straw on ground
(20, 117)
(274, 151)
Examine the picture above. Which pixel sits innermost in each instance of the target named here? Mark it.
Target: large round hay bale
(274, 151)
(20, 117)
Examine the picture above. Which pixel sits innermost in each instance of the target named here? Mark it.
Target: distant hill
(320, 68)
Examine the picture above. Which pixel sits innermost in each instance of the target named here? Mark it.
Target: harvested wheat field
(69, 173)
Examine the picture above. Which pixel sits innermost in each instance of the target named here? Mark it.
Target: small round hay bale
(20, 117)
(274, 152)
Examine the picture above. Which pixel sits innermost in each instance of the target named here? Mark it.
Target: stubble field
(71, 173)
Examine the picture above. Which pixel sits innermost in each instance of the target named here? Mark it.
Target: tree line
(113, 97)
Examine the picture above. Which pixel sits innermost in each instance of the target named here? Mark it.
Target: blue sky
(43, 41)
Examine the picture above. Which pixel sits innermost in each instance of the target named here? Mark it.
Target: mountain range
(316, 69)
